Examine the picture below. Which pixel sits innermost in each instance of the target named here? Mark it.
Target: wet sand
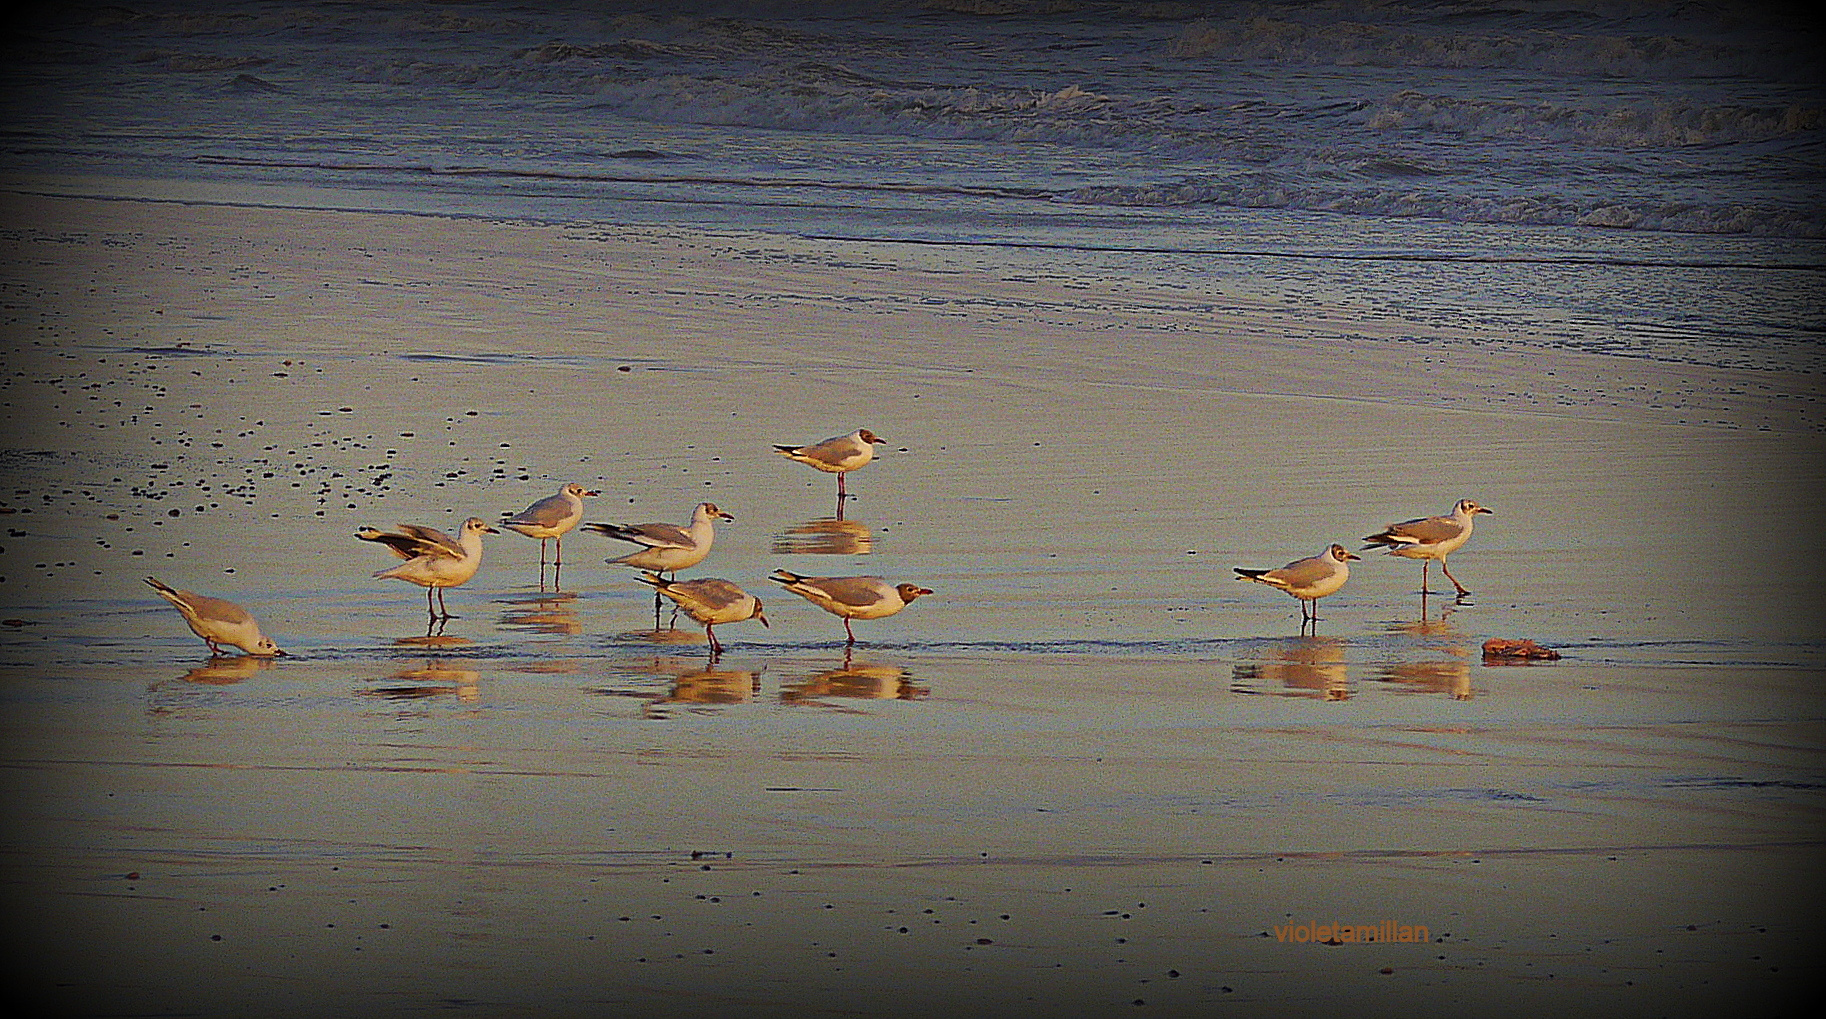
(1091, 771)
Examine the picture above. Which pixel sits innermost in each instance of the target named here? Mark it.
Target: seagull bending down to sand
(709, 601)
(850, 597)
(838, 456)
(1307, 579)
(1430, 538)
(218, 621)
(433, 560)
(550, 518)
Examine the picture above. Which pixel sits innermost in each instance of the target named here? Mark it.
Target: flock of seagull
(435, 561)
(1423, 538)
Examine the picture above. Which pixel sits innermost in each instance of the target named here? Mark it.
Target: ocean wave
(1269, 192)
(1374, 158)
(1668, 124)
(831, 97)
(1594, 52)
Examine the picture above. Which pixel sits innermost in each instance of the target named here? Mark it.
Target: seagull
(1430, 538)
(218, 621)
(850, 597)
(669, 548)
(551, 517)
(1307, 579)
(709, 601)
(434, 560)
(837, 456)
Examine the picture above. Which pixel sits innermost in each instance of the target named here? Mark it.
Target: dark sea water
(1639, 179)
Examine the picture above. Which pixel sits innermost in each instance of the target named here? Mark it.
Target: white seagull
(709, 601)
(850, 597)
(1430, 538)
(218, 621)
(838, 456)
(550, 518)
(668, 548)
(1307, 579)
(433, 560)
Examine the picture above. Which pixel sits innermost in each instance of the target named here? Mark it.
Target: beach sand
(1090, 775)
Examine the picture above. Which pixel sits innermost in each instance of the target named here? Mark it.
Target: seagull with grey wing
(550, 518)
(1430, 538)
(667, 548)
(218, 621)
(839, 455)
(433, 560)
(851, 597)
(710, 601)
(1307, 579)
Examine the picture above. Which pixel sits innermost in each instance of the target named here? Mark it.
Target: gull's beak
(489, 530)
(1486, 509)
(763, 620)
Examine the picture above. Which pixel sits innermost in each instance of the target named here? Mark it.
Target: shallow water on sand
(564, 834)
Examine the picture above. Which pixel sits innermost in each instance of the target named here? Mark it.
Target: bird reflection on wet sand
(706, 689)
(1447, 670)
(549, 612)
(685, 682)
(223, 670)
(853, 680)
(433, 679)
(825, 536)
(1304, 667)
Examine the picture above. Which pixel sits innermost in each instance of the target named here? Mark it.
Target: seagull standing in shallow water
(1430, 538)
(218, 621)
(1307, 579)
(850, 597)
(433, 560)
(550, 518)
(667, 548)
(838, 456)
